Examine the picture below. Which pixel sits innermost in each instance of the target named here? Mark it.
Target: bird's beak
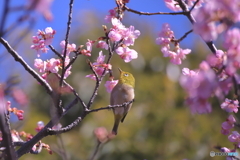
(120, 70)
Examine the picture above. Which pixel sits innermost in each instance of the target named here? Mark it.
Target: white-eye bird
(121, 93)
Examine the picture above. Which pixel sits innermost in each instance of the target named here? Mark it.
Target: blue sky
(60, 9)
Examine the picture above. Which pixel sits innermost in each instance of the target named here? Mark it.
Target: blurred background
(159, 125)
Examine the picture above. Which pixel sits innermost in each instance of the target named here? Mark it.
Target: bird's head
(126, 78)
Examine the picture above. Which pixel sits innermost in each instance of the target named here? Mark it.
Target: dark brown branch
(194, 5)
(66, 40)
(188, 14)
(149, 14)
(19, 59)
(71, 62)
(111, 106)
(65, 129)
(9, 152)
(27, 146)
(74, 92)
(56, 52)
(184, 36)
(96, 150)
(103, 74)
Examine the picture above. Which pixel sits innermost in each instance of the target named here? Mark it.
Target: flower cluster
(53, 65)
(127, 36)
(165, 39)
(17, 112)
(209, 25)
(42, 40)
(230, 105)
(228, 124)
(120, 35)
(99, 66)
(200, 85)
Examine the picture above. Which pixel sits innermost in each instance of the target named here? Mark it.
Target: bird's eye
(126, 75)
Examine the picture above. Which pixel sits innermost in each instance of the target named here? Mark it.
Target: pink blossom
(179, 55)
(102, 44)
(110, 85)
(235, 138)
(67, 72)
(166, 37)
(173, 5)
(230, 105)
(199, 105)
(227, 125)
(209, 25)
(207, 31)
(43, 7)
(99, 66)
(188, 72)
(89, 45)
(130, 36)
(53, 65)
(70, 47)
(114, 36)
(91, 76)
(126, 54)
(200, 85)
(40, 64)
(101, 134)
(100, 60)
(112, 14)
(117, 24)
(42, 40)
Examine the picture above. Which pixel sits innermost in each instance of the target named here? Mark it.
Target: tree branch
(19, 59)
(149, 14)
(9, 152)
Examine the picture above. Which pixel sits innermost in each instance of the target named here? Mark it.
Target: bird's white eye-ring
(125, 74)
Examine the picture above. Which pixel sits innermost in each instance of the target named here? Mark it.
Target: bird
(123, 92)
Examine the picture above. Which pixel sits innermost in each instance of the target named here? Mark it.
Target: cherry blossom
(110, 85)
(230, 105)
(235, 138)
(42, 39)
(166, 37)
(99, 66)
(70, 47)
(228, 124)
(126, 53)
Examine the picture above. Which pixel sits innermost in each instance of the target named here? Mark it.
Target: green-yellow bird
(121, 93)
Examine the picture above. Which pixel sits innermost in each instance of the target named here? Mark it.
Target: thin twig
(71, 62)
(111, 107)
(149, 14)
(66, 40)
(56, 52)
(5, 129)
(74, 92)
(184, 36)
(194, 5)
(4, 15)
(51, 131)
(96, 150)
